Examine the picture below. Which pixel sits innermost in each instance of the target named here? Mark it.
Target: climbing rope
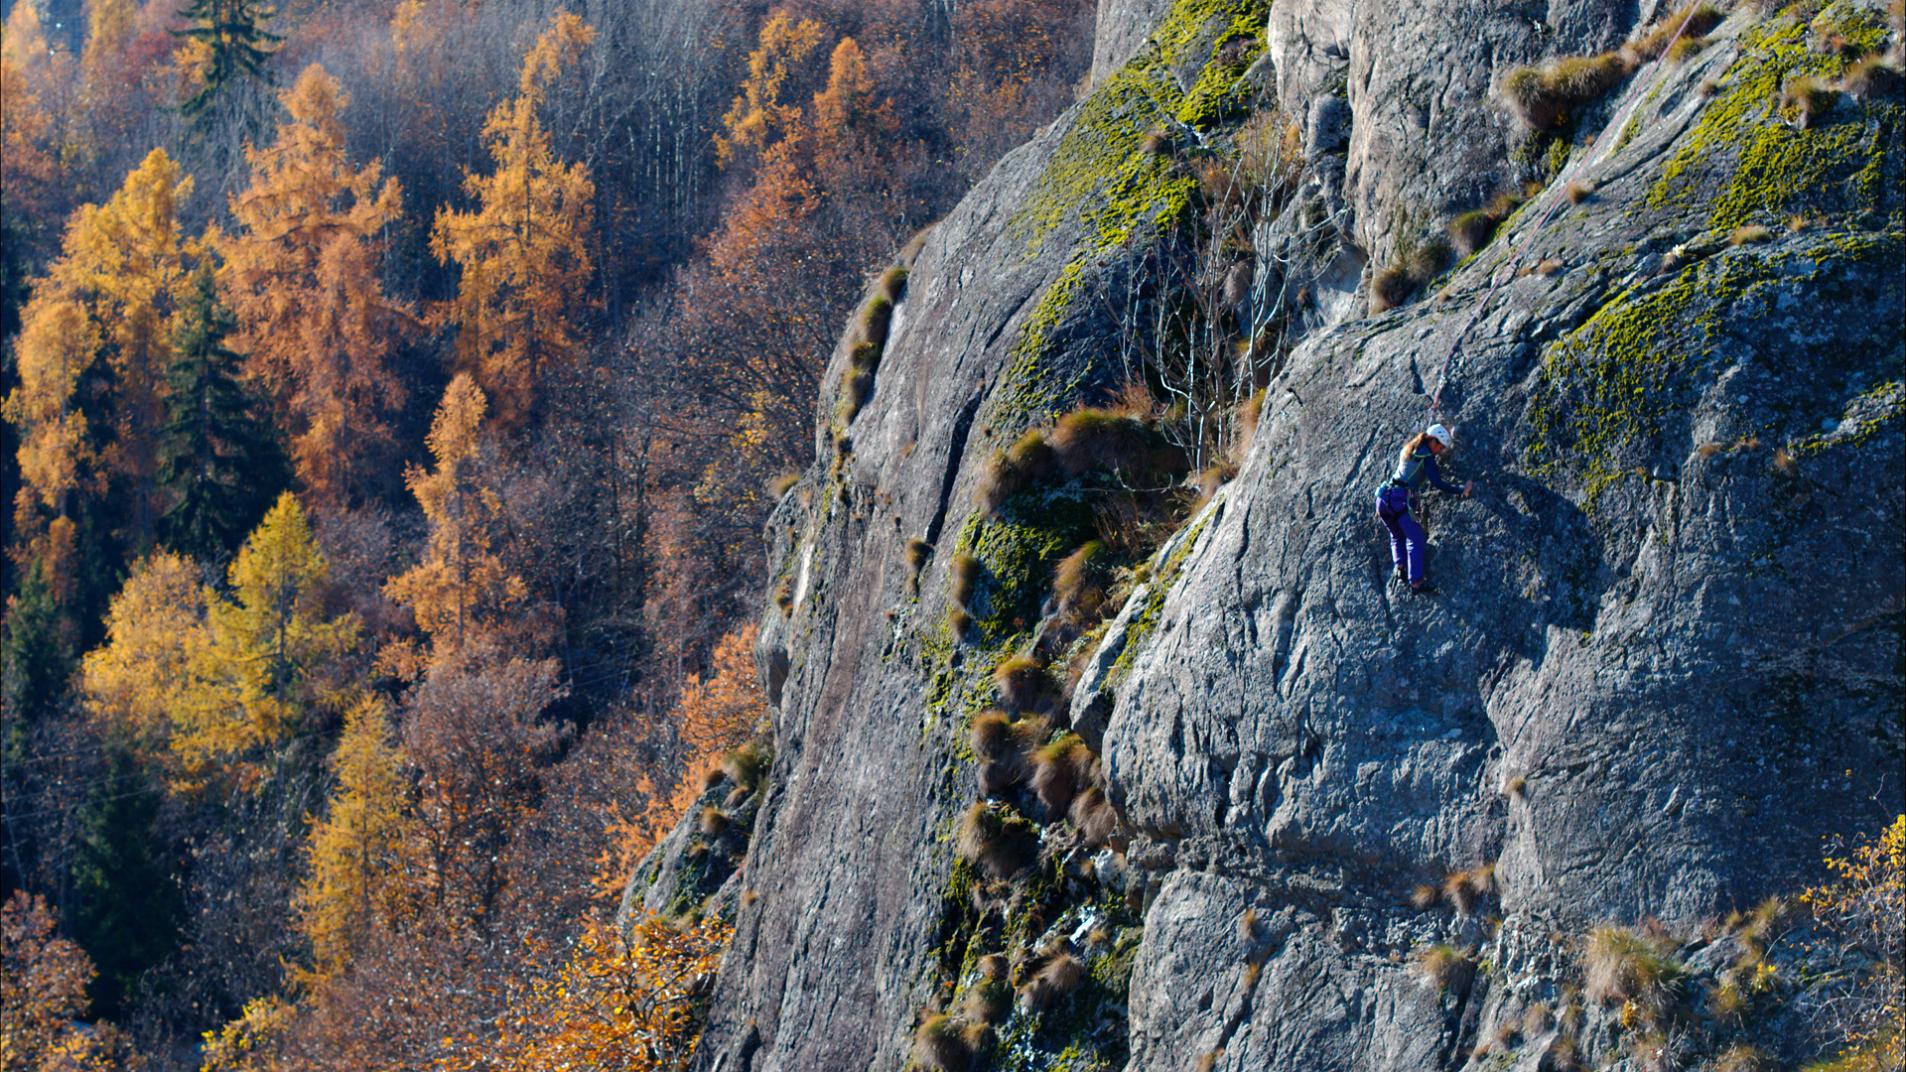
(1515, 258)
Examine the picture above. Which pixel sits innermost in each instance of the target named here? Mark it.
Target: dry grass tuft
(1536, 1019)
(1425, 897)
(1749, 234)
(963, 575)
(1390, 288)
(988, 1001)
(1874, 78)
(1546, 97)
(1444, 966)
(1029, 461)
(1465, 889)
(1621, 965)
(1079, 580)
(1156, 143)
(998, 840)
(1472, 230)
(1580, 190)
(1813, 99)
(1106, 440)
(875, 319)
(1693, 22)
(1060, 976)
(784, 483)
(991, 734)
(1517, 788)
(1022, 682)
(893, 283)
(1062, 769)
(748, 765)
(1094, 816)
(938, 1045)
(713, 821)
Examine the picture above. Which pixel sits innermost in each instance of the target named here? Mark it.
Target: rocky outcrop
(1665, 659)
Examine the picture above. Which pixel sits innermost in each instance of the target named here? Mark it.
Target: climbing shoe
(1422, 588)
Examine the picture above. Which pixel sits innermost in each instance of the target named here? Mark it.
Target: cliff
(1666, 656)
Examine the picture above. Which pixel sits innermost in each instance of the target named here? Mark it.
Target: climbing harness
(1515, 258)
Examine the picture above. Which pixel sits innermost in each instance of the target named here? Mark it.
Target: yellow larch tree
(156, 629)
(220, 682)
(523, 253)
(624, 1002)
(461, 590)
(104, 102)
(300, 275)
(109, 295)
(758, 115)
(23, 39)
(271, 644)
(26, 165)
(362, 865)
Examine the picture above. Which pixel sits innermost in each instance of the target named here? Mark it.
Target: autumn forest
(394, 395)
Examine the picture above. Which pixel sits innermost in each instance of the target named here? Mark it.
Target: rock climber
(1407, 538)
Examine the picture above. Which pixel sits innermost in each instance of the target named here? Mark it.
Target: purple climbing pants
(1407, 538)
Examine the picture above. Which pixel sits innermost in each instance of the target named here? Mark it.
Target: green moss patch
(1752, 152)
(1102, 176)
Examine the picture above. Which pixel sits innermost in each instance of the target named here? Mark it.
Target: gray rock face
(1665, 659)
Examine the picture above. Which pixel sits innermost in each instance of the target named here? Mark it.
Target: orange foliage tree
(523, 252)
(714, 715)
(624, 1002)
(364, 870)
(301, 276)
(461, 591)
(43, 993)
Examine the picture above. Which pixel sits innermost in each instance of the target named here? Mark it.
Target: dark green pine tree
(234, 31)
(129, 907)
(220, 466)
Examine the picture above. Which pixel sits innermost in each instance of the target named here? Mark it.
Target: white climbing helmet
(1441, 435)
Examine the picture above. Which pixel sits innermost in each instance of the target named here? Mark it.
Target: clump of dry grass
(875, 318)
(1580, 190)
(1061, 769)
(1546, 97)
(1621, 965)
(1812, 98)
(1029, 461)
(1874, 78)
(1750, 234)
(1692, 21)
(1516, 788)
(1472, 230)
(1079, 580)
(963, 575)
(1390, 288)
(1465, 889)
(1022, 682)
(748, 765)
(1092, 813)
(784, 483)
(893, 283)
(1059, 976)
(1093, 439)
(1444, 965)
(939, 1045)
(1000, 841)
(713, 821)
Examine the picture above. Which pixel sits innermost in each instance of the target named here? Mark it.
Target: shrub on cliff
(1546, 97)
